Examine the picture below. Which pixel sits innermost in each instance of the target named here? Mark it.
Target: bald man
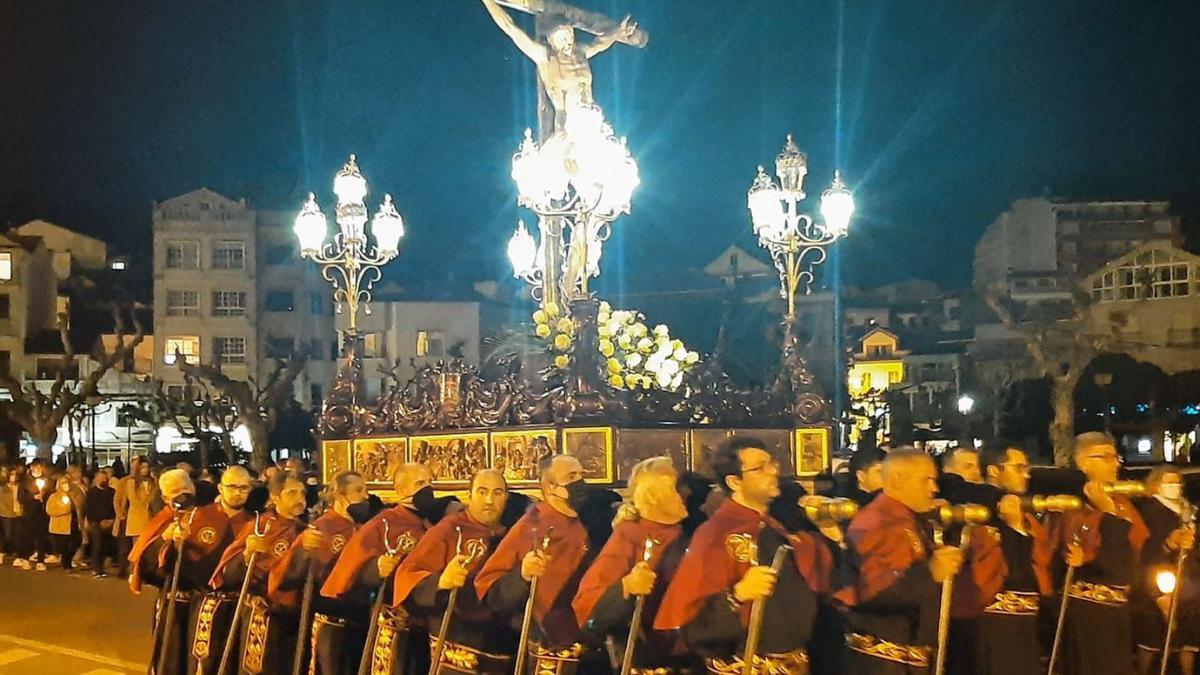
(371, 556)
(206, 537)
(152, 562)
(448, 557)
(898, 571)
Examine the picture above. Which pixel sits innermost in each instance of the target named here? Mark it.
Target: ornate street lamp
(796, 241)
(577, 182)
(351, 261)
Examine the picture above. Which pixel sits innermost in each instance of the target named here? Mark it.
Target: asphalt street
(54, 624)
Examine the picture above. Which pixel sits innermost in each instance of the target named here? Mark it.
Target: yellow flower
(606, 347)
(631, 380)
(552, 310)
(565, 325)
(625, 342)
(562, 342)
(562, 361)
(645, 345)
(543, 330)
(633, 360)
(617, 381)
(692, 357)
(539, 317)
(605, 308)
(614, 366)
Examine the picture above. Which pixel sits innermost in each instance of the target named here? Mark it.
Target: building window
(230, 349)
(879, 350)
(316, 304)
(373, 346)
(49, 369)
(316, 349)
(183, 255)
(279, 348)
(5, 361)
(178, 392)
(430, 343)
(6, 270)
(865, 381)
(279, 255)
(229, 255)
(183, 303)
(5, 306)
(314, 394)
(229, 303)
(280, 301)
(893, 377)
(187, 345)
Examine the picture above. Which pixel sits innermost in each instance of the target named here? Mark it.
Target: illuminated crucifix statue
(564, 75)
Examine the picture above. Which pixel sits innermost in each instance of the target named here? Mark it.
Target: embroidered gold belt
(461, 658)
(202, 641)
(1113, 596)
(787, 663)
(391, 627)
(257, 629)
(909, 655)
(548, 661)
(1013, 603)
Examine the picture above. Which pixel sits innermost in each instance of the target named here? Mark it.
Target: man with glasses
(1103, 542)
(205, 538)
(727, 569)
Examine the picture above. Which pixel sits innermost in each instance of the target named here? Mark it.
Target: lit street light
(966, 404)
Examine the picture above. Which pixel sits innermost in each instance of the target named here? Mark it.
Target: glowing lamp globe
(349, 184)
(1165, 580)
(791, 166)
(966, 404)
(388, 227)
(522, 251)
(310, 227)
(837, 206)
(763, 200)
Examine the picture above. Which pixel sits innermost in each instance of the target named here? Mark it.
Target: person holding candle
(63, 524)
(34, 523)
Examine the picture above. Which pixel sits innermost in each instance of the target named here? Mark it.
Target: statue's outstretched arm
(527, 45)
(602, 42)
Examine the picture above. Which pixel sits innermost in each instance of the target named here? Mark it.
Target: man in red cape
(366, 564)
(727, 568)
(621, 573)
(1103, 542)
(894, 600)
(319, 547)
(447, 558)
(268, 630)
(549, 543)
(149, 563)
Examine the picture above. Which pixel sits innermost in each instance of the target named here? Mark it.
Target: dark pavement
(53, 624)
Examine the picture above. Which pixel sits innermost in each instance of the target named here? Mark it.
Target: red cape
(337, 530)
(568, 546)
(149, 535)
(437, 548)
(709, 567)
(1086, 524)
(888, 541)
(621, 552)
(279, 532)
(404, 529)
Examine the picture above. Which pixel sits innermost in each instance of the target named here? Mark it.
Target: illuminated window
(866, 381)
(230, 349)
(373, 346)
(183, 255)
(893, 377)
(187, 345)
(6, 270)
(229, 255)
(229, 303)
(430, 343)
(183, 303)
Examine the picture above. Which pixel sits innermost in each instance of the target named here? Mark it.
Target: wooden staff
(234, 627)
(943, 634)
(527, 618)
(435, 668)
(754, 634)
(1068, 581)
(310, 581)
(364, 663)
(168, 616)
(1173, 612)
(639, 606)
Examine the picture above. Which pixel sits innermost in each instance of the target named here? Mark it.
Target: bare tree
(1061, 345)
(199, 414)
(253, 405)
(41, 412)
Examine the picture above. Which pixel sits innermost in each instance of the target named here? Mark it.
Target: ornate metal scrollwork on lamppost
(351, 261)
(797, 244)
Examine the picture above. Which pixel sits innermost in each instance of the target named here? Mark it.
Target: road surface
(52, 624)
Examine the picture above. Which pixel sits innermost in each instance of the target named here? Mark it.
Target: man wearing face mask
(504, 581)
(447, 558)
(267, 632)
(337, 649)
(365, 563)
(205, 538)
(727, 569)
(149, 559)
(607, 594)
(1168, 515)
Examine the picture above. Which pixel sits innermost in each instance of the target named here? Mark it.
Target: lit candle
(40, 483)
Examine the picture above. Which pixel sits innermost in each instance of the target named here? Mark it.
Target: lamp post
(351, 261)
(578, 182)
(797, 244)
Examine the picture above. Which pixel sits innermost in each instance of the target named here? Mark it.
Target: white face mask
(1171, 491)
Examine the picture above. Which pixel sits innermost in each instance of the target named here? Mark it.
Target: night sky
(939, 114)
